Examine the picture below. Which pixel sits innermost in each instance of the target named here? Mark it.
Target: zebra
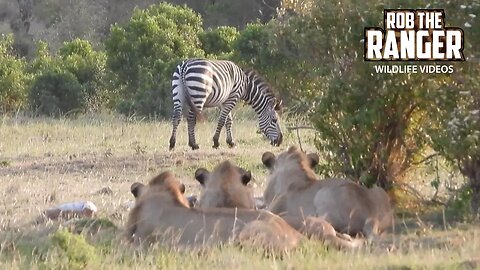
(201, 83)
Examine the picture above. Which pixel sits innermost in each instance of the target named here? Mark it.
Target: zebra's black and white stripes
(201, 83)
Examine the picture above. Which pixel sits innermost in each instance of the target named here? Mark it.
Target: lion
(293, 190)
(226, 186)
(161, 213)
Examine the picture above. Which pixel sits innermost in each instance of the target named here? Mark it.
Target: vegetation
(62, 160)
(13, 78)
(143, 54)
(94, 59)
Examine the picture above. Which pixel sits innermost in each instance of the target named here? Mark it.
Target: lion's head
(225, 186)
(163, 191)
(164, 187)
(291, 169)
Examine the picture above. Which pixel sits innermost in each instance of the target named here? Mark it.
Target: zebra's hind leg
(177, 116)
(191, 121)
(228, 128)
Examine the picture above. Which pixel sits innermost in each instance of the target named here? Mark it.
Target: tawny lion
(294, 191)
(162, 213)
(226, 186)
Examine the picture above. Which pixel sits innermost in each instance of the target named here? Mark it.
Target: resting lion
(162, 213)
(226, 186)
(293, 190)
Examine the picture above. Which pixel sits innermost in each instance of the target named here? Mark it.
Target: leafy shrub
(143, 54)
(74, 249)
(13, 78)
(88, 65)
(370, 126)
(259, 47)
(56, 93)
(219, 41)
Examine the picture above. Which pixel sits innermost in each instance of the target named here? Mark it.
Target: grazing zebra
(201, 83)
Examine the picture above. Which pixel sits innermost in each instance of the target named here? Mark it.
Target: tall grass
(44, 162)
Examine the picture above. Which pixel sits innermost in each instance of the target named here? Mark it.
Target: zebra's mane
(267, 88)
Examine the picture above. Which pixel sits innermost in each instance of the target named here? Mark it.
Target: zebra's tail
(188, 99)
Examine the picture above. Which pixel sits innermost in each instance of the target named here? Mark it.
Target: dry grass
(44, 162)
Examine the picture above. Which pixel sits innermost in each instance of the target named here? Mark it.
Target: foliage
(13, 78)
(75, 249)
(457, 135)
(143, 54)
(88, 66)
(43, 60)
(258, 47)
(370, 125)
(218, 41)
(56, 92)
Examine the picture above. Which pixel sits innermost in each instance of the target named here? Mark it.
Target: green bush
(88, 65)
(370, 126)
(259, 47)
(456, 136)
(13, 78)
(254, 45)
(74, 249)
(142, 56)
(56, 92)
(219, 41)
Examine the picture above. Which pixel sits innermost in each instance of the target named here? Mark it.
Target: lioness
(226, 186)
(162, 213)
(293, 190)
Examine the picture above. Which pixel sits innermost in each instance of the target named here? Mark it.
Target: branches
(426, 159)
(297, 128)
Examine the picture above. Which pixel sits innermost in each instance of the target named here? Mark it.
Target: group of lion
(296, 205)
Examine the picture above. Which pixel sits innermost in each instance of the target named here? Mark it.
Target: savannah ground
(44, 162)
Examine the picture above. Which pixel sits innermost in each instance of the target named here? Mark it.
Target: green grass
(44, 162)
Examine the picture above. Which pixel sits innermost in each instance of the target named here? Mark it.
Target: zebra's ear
(278, 105)
(201, 175)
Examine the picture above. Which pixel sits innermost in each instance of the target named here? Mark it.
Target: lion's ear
(136, 189)
(268, 159)
(246, 177)
(182, 188)
(201, 175)
(314, 159)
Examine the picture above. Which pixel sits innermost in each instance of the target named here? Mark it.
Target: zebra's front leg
(177, 116)
(191, 121)
(221, 122)
(228, 127)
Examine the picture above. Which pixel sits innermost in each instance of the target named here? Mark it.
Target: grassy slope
(45, 162)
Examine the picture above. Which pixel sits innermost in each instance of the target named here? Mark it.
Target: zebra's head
(269, 122)
(260, 95)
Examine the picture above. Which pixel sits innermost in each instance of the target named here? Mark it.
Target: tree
(143, 54)
(370, 126)
(457, 135)
(56, 92)
(88, 66)
(218, 42)
(13, 78)
(257, 46)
